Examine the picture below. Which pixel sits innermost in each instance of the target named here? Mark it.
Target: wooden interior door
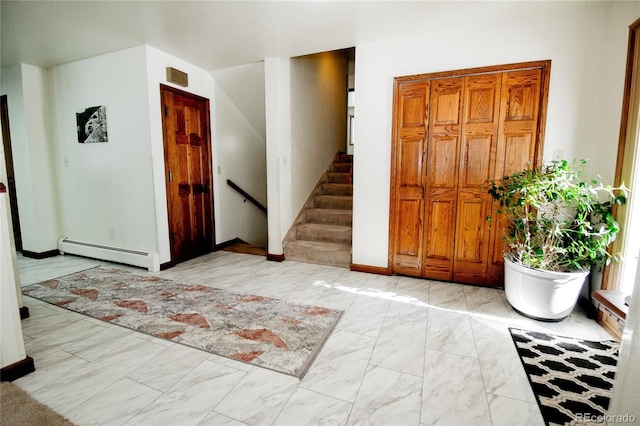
(476, 164)
(522, 110)
(407, 205)
(187, 143)
(453, 131)
(442, 177)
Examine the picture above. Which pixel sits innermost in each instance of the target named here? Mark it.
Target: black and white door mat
(572, 379)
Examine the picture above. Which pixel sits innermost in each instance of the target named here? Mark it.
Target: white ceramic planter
(542, 295)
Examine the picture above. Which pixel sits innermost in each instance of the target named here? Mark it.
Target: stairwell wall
(306, 109)
(318, 119)
(241, 158)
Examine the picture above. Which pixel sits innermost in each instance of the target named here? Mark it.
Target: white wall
(318, 120)
(606, 118)
(306, 112)
(134, 204)
(27, 90)
(114, 193)
(11, 340)
(106, 189)
(277, 76)
(241, 158)
(244, 85)
(587, 74)
(200, 83)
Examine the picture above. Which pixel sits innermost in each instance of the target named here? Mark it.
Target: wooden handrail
(247, 196)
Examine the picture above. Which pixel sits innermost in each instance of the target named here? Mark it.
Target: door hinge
(166, 111)
(170, 176)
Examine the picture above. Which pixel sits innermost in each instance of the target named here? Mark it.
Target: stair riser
(327, 235)
(337, 189)
(333, 203)
(342, 167)
(338, 177)
(340, 258)
(343, 217)
(344, 158)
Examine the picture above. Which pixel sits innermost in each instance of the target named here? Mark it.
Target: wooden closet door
(407, 200)
(452, 131)
(476, 165)
(442, 177)
(519, 145)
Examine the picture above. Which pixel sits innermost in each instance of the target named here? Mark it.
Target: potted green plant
(557, 226)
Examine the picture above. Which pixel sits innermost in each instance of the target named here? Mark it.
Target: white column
(278, 123)
(626, 392)
(11, 340)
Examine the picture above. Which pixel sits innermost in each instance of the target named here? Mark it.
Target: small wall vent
(177, 77)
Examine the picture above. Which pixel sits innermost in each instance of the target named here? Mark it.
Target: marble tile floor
(406, 352)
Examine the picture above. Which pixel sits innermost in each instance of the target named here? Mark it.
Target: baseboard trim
(379, 270)
(17, 370)
(166, 265)
(24, 313)
(275, 257)
(41, 255)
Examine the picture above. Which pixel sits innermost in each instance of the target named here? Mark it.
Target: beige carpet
(18, 408)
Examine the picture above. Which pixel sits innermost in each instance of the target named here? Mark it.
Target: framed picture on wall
(92, 125)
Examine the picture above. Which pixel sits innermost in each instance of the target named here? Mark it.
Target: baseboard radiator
(113, 254)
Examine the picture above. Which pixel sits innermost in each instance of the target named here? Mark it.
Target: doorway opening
(351, 100)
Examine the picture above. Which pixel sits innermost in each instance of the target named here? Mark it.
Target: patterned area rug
(571, 378)
(270, 333)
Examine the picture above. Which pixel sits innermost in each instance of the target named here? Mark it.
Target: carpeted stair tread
(330, 216)
(319, 252)
(324, 232)
(337, 189)
(334, 202)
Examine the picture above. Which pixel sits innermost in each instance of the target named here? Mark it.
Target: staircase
(323, 231)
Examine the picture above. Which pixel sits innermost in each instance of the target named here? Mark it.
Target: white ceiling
(219, 34)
